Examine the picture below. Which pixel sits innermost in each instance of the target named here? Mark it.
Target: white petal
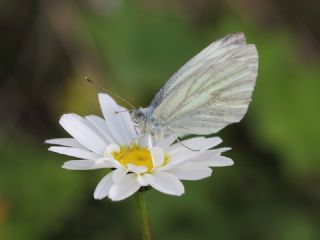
(99, 161)
(89, 164)
(137, 169)
(195, 156)
(205, 144)
(183, 158)
(145, 179)
(119, 174)
(121, 190)
(107, 163)
(128, 123)
(124, 116)
(79, 165)
(143, 141)
(177, 146)
(181, 154)
(111, 149)
(103, 187)
(87, 123)
(191, 171)
(157, 156)
(102, 127)
(150, 141)
(185, 154)
(164, 143)
(198, 143)
(216, 161)
(74, 152)
(83, 132)
(120, 124)
(167, 183)
(67, 142)
(173, 161)
(115, 163)
(218, 151)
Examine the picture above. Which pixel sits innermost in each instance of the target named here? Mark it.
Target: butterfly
(211, 91)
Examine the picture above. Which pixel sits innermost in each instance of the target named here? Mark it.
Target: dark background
(132, 48)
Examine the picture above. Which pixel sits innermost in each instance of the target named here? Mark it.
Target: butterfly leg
(179, 141)
(136, 129)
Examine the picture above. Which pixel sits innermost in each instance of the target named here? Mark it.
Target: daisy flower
(112, 142)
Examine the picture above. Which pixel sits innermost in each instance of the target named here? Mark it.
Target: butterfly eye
(137, 116)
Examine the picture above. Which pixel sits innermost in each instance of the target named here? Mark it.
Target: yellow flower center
(134, 155)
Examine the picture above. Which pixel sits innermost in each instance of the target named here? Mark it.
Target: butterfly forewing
(216, 52)
(210, 91)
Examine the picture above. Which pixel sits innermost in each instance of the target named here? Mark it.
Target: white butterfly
(211, 91)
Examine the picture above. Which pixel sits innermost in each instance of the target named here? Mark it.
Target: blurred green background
(132, 48)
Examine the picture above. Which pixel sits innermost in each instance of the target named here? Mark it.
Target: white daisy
(112, 143)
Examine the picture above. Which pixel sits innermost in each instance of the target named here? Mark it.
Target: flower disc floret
(135, 155)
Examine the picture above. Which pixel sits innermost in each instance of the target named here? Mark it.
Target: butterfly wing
(210, 91)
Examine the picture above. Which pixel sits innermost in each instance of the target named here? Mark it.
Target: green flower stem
(143, 215)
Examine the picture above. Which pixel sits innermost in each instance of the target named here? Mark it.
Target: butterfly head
(138, 116)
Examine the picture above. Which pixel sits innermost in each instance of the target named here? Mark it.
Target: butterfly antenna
(130, 110)
(110, 93)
